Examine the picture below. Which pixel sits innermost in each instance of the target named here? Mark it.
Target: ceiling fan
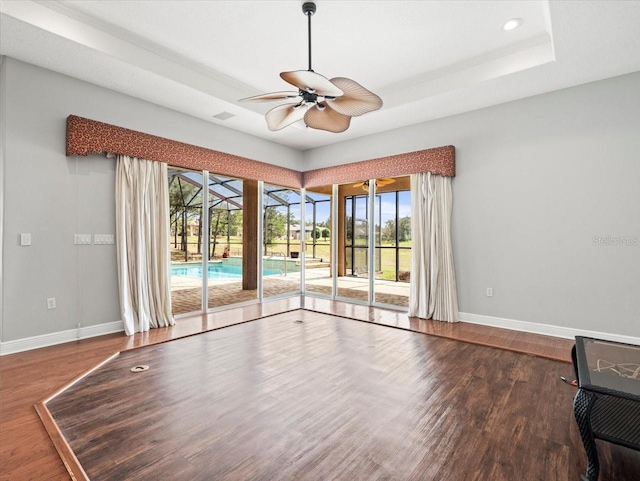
(321, 103)
(379, 183)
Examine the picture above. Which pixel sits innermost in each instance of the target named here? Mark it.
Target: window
(392, 242)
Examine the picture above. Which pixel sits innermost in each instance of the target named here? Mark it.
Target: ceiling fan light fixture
(381, 182)
(348, 98)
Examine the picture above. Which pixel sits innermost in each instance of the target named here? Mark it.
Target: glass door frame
(300, 243)
(371, 252)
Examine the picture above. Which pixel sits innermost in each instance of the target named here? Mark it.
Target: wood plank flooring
(26, 451)
(327, 398)
(523, 342)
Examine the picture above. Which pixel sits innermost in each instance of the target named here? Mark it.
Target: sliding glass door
(185, 220)
(226, 245)
(373, 244)
(392, 260)
(208, 247)
(282, 236)
(318, 245)
(353, 232)
(253, 241)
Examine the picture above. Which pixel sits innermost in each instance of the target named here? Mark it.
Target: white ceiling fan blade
(356, 100)
(326, 119)
(312, 82)
(271, 97)
(283, 115)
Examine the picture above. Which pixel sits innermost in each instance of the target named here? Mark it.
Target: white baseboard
(54, 338)
(546, 329)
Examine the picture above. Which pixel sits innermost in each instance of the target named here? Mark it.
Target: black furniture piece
(607, 404)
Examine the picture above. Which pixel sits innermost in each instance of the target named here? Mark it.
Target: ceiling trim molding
(115, 31)
(528, 53)
(86, 136)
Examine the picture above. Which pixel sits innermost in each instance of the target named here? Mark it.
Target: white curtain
(433, 293)
(142, 232)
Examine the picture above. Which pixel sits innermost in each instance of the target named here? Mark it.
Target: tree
(389, 231)
(218, 225)
(185, 204)
(224, 223)
(326, 233)
(235, 223)
(404, 229)
(348, 223)
(275, 225)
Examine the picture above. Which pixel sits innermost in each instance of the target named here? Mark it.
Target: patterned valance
(85, 136)
(440, 160)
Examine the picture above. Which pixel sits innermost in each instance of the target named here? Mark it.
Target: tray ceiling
(426, 59)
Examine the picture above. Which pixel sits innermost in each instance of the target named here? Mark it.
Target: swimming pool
(216, 270)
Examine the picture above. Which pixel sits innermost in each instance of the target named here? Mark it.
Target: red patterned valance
(439, 161)
(85, 136)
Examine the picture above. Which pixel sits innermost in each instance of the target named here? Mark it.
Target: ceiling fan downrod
(309, 8)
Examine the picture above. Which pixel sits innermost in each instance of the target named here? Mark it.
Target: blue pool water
(216, 271)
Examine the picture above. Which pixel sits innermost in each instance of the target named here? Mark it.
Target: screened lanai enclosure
(217, 259)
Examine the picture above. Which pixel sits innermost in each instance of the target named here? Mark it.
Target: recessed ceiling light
(223, 116)
(512, 24)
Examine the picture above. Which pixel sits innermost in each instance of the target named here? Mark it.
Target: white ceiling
(426, 59)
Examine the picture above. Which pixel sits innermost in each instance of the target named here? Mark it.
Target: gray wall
(53, 196)
(536, 180)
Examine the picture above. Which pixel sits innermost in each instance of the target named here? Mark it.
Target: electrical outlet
(489, 291)
(25, 239)
(51, 303)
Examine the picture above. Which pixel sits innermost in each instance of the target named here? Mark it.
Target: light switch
(82, 239)
(103, 239)
(25, 239)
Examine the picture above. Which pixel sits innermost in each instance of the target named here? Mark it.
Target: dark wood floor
(26, 378)
(328, 398)
(26, 451)
(523, 342)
